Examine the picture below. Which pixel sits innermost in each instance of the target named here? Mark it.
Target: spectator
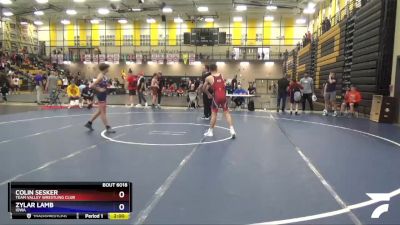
(330, 95)
(132, 83)
(15, 84)
(239, 91)
(155, 86)
(206, 101)
(328, 24)
(192, 89)
(308, 91)
(87, 95)
(141, 89)
(283, 85)
(295, 95)
(74, 95)
(234, 83)
(38, 86)
(351, 100)
(51, 85)
(251, 89)
(4, 86)
(161, 83)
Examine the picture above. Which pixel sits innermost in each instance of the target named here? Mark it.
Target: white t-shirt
(16, 81)
(65, 81)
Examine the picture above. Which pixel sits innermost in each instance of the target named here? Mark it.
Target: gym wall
(247, 73)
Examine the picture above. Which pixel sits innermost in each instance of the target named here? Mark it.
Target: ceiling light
(301, 21)
(5, 2)
(8, 13)
(122, 21)
(136, 9)
(71, 11)
(272, 7)
(42, 1)
(268, 18)
(151, 20)
(309, 10)
(65, 22)
(209, 20)
(94, 21)
(79, 1)
(167, 10)
(241, 8)
(103, 11)
(237, 19)
(202, 9)
(38, 22)
(38, 13)
(24, 23)
(178, 20)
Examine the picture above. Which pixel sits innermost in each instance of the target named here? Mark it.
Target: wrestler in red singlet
(217, 83)
(219, 98)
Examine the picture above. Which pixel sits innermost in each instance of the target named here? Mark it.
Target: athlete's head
(213, 68)
(104, 67)
(306, 75)
(130, 71)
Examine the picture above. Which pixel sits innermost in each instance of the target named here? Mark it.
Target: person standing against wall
(141, 89)
(206, 101)
(330, 95)
(131, 82)
(308, 90)
(161, 84)
(283, 85)
(154, 89)
(38, 85)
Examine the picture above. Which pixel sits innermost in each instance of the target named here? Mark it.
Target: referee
(206, 100)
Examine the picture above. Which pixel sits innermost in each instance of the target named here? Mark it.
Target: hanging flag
(116, 58)
(139, 58)
(102, 58)
(185, 57)
(87, 58)
(96, 59)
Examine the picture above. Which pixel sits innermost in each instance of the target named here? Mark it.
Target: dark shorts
(102, 96)
(132, 92)
(220, 104)
(348, 104)
(87, 98)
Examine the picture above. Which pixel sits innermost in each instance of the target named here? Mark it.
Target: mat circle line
(103, 134)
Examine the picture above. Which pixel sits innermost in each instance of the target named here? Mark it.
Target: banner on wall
(160, 59)
(176, 58)
(169, 58)
(102, 58)
(87, 58)
(139, 58)
(116, 58)
(154, 57)
(96, 59)
(185, 57)
(110, 58)
(192, 58)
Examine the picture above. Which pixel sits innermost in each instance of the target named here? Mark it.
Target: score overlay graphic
(70, 200)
